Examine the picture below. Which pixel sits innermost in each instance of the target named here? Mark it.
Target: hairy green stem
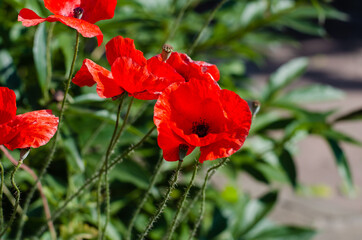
(211, 17)
(92, 179)
(1, 196)
(144, 199)
(53, 147)
(49, 62)
(105, 170)
(203, 191)
(163, 203)
(17, 201)
(181, 204)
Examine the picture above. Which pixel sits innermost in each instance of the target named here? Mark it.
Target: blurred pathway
(336, 216)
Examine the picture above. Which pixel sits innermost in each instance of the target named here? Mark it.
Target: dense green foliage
(238, 32)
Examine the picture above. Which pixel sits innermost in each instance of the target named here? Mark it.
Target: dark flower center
(78, 12)
(200, 128)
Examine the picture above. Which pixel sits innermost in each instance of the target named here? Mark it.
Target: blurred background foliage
(230, 34)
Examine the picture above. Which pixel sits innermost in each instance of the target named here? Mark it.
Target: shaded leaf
(39, 54)
(287, 162)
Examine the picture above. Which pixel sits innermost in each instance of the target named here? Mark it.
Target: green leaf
(131, 172)
(71, 149)
(88, 98)
(219, 224)
(285, 233)
(312, 93)
(8, 75)
(340, 136)
(342, 164)
(256, 211)
(39, 54)
(286, 74)
(287, 162)
(355, 115)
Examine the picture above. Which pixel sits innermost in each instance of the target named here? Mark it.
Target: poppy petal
(170, 143)
(33, 129)
(123, 47)
(29, 18)
(188, 68)
(64, 7)
(85, 28)
(7, 104)
(97, 10)
(91, 73)
(131, 76)
(220, 149)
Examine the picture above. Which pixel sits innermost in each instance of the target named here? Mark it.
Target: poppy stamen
(78, 12)
(200, 128)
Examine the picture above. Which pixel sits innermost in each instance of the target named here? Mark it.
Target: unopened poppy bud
(255, 107)
(24, 152)
(166, 52)
(78, 12)
(183, 148)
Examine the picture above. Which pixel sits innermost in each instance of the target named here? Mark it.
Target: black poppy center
(78, 12)
(200, 128)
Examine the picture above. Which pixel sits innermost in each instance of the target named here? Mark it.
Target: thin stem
(1, 196)
(104, 169)
(181, 204)
(40, 189)
(125, 120)
(178, 21)
(203, 190)
(92, 179)
(211, 17)
(12, 217)
(163, 203)
(49, 61)
(53, 147)
(144, 199)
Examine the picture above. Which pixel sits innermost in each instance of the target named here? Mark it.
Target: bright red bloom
(78, 14)
(188, 68)
(32, 129)
(130, 72)
(199, 114)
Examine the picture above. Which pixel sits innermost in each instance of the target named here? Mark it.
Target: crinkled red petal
(188, 68)
(220, 149)
(93, 10)
(164, 74)
(133, 78)
(170, 143)
(64, 7)
(91, 73)
(7, 104)
(123, 47)
(33, 129)
(89, 30)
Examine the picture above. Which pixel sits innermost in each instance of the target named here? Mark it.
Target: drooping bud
(78, 12)
(24, 152)
(183, 148)
(166, 52)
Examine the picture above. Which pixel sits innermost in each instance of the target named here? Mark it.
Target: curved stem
(181, 204)
(203, 190)
(49, 61)
(1, 196)
(163, 203)
(12, 178)
(53, 147)
(211, 17)
(105, 170)
(92, 179)
(145, 197)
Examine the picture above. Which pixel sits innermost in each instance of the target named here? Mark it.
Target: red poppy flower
(32, 129)
(130, 72)
(199, 114)
(78, 14)
(188, 68)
